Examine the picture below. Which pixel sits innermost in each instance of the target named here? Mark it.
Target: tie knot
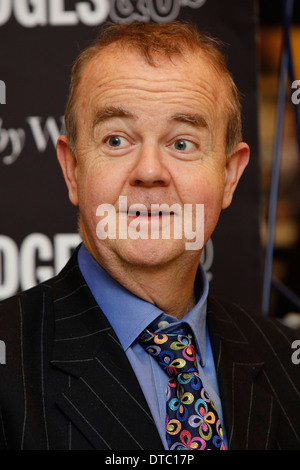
(175, 352)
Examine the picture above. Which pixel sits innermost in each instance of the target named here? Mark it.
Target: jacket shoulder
(261, 337)
(35, 299)
(24, 315)
(243, 319)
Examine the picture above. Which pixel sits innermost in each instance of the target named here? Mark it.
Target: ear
(68, 163)
(235, 166)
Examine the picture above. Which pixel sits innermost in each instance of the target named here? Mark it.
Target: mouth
(149, 214)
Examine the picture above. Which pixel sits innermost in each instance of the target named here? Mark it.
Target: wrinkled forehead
(189, 76)
(120, 60)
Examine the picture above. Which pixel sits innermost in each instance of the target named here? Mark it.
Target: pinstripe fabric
(259, 384)
(67, 384)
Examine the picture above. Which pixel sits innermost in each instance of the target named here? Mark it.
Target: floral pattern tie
(192, 421)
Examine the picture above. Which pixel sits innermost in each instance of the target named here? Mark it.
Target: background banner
(39, 40)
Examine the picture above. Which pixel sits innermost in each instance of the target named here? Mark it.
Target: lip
(145, 211)
(149, 214)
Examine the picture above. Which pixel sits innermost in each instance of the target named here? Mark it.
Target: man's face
(155, 135)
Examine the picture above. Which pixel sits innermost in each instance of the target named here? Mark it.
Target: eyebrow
(196, 120)
(109, 113)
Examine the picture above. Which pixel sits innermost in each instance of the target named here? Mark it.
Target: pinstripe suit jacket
(67, 383)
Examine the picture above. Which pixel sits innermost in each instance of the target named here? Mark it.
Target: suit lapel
(104, 400)
(249, 412)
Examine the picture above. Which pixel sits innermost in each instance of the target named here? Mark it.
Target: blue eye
(115, 141)
(182, 145)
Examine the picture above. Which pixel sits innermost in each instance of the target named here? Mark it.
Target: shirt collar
(128, 314)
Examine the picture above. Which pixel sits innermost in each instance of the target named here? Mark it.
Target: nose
(149, 169)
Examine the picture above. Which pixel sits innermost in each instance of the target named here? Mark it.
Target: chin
(152, 253)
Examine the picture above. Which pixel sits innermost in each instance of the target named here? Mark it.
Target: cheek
(202, 189)
(98, 184)
(207, 190)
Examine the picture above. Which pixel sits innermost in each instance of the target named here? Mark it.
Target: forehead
(118, 74)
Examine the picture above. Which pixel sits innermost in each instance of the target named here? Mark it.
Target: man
(153, 129)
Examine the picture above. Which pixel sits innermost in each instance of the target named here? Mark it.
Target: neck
(169, 287)
(171, 292)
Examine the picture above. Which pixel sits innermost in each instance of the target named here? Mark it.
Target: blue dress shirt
(129, 315)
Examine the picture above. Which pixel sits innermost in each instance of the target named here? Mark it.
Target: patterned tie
(192, 421)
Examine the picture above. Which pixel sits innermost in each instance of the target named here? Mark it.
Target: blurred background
(246, 262)
(286, 256)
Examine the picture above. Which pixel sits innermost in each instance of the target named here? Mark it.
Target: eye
(116, 141)
(183, 145)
